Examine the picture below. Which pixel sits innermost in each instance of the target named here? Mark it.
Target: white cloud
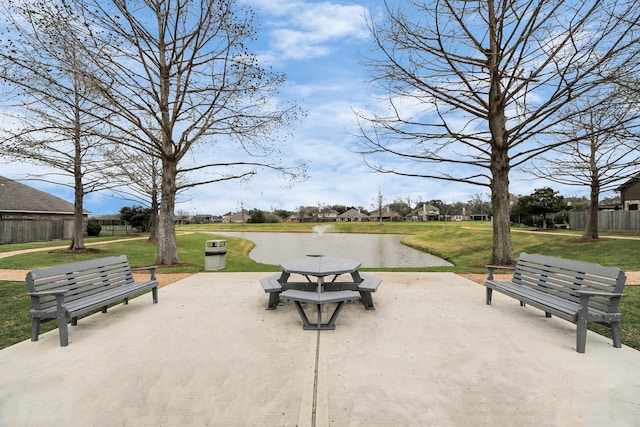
(304, 30)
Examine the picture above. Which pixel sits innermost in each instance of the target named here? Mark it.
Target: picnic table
(316, 269)
(320, 286)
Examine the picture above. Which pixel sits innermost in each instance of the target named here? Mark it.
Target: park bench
(319, 299)
(576, 291)
(71, 290)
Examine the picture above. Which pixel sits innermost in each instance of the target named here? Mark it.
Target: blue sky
(319, 45)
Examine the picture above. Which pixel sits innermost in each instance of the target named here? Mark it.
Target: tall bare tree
(186, 66)
(603, 147)
(378, 203)
(52, 103)
(476, 87)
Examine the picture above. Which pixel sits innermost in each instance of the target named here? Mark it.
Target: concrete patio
(432, 353)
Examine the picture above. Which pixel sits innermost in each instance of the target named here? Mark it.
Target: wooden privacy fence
(34, 230)
(607, 220)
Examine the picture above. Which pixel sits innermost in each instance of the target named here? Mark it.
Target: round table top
(320, 265)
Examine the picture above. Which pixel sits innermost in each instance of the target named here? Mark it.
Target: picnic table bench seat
(272, 285)
(576, 291)
(319, 299)
(71, 290)
(368, 285)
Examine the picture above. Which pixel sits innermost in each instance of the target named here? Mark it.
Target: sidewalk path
(19, 275)
(51, 248)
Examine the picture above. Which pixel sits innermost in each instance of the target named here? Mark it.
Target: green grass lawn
(466, 244)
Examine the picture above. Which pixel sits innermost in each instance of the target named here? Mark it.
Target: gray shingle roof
(16, 197)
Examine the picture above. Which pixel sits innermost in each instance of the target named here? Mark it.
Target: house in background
(385, 215)
(352, 215)
(30, 215)
(326, 214)
(425, 212)
(630, 194)
(236, 217)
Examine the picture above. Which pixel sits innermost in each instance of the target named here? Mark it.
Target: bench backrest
(561, 277)
(81, 279)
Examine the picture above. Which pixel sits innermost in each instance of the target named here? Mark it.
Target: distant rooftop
(17, 197)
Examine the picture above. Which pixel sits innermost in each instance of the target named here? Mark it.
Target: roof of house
(16, 197)
(386, 213)
(352, 213)
(628, 183)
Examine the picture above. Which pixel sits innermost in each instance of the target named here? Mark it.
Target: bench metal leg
(35, 329)
(330, 325)
(63, 329)
(154, 293)
(615, 334)
(367, 300)
(489, 294)
(334, 316)
(581, 333)
(274, 299)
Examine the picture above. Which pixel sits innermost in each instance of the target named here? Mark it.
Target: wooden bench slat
(593, 275)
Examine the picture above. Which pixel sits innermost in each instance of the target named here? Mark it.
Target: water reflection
(372, 250)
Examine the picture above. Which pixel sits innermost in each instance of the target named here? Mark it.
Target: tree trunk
(167, 246)
(77, 241)
(153, 235)
(591, 232)
(502, 253)
(78, 206)
(153, 229)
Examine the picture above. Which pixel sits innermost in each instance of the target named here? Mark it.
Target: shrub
(93, 228)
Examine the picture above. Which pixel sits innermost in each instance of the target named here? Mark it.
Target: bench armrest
(58, 294)
(492, 268)
(152, 270)
(585, 295)
(598, 294)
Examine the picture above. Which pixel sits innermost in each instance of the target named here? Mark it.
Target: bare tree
(52, 103)
(185, 65)
(475, 88)
(136, 177)
(378, 203)
(603, 148)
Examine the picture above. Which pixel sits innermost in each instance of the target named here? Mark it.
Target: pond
(372, 250)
